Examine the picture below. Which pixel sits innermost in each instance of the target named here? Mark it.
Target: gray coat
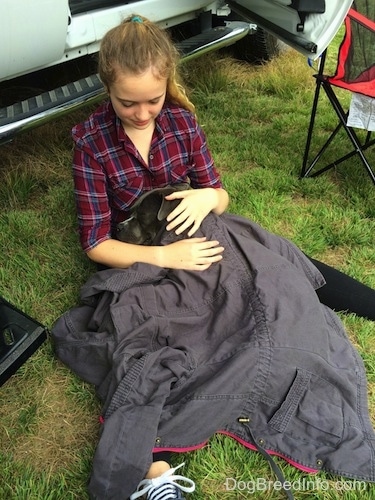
(177, 356)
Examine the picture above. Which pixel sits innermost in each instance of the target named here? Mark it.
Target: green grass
(256, 120)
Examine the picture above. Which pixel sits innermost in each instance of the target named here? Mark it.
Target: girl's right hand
(193, 254)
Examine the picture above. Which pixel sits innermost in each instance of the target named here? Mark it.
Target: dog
(148, 215)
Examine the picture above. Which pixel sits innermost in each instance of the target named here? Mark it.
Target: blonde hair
(134, 46)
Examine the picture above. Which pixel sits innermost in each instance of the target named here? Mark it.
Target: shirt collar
(161, 124)
(120, 129)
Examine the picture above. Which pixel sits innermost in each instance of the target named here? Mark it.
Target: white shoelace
(168, 477)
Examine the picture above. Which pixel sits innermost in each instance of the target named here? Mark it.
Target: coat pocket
(311, 411)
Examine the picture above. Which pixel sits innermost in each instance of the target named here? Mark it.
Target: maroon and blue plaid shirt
(110, 174)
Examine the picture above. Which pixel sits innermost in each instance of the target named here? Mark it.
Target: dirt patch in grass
(49, 430)
(336, 257)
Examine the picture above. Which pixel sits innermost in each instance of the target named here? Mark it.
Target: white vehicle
(48, 47)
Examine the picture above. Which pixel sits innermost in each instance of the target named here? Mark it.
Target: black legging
(343, 293)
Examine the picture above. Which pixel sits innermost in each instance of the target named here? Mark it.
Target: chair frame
(322, 81)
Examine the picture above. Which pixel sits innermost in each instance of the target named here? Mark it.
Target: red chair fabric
(356, 60)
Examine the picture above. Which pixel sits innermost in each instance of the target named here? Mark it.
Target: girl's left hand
(194, 206)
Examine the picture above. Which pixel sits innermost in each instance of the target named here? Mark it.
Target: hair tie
(136, 19)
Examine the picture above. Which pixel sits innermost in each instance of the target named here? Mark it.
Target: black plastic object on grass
(20, 337)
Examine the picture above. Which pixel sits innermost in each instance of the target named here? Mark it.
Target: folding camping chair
(355, 72)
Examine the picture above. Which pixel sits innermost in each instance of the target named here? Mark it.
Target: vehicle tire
(258, 47)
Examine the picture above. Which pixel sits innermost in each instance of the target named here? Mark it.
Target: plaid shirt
(110, 174)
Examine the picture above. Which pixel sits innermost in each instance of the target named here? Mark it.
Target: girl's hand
(194, 254)
(194, 206)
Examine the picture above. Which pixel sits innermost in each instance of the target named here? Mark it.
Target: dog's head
(148, 215)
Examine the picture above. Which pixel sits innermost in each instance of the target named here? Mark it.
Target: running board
(40, 109)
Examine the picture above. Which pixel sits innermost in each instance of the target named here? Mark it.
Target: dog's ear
(147, 211)
(166, 207)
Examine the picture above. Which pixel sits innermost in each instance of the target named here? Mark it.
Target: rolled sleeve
(93, 210)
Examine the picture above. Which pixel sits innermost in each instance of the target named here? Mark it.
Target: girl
(146, 136)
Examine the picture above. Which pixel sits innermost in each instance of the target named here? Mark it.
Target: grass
(256, 120)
